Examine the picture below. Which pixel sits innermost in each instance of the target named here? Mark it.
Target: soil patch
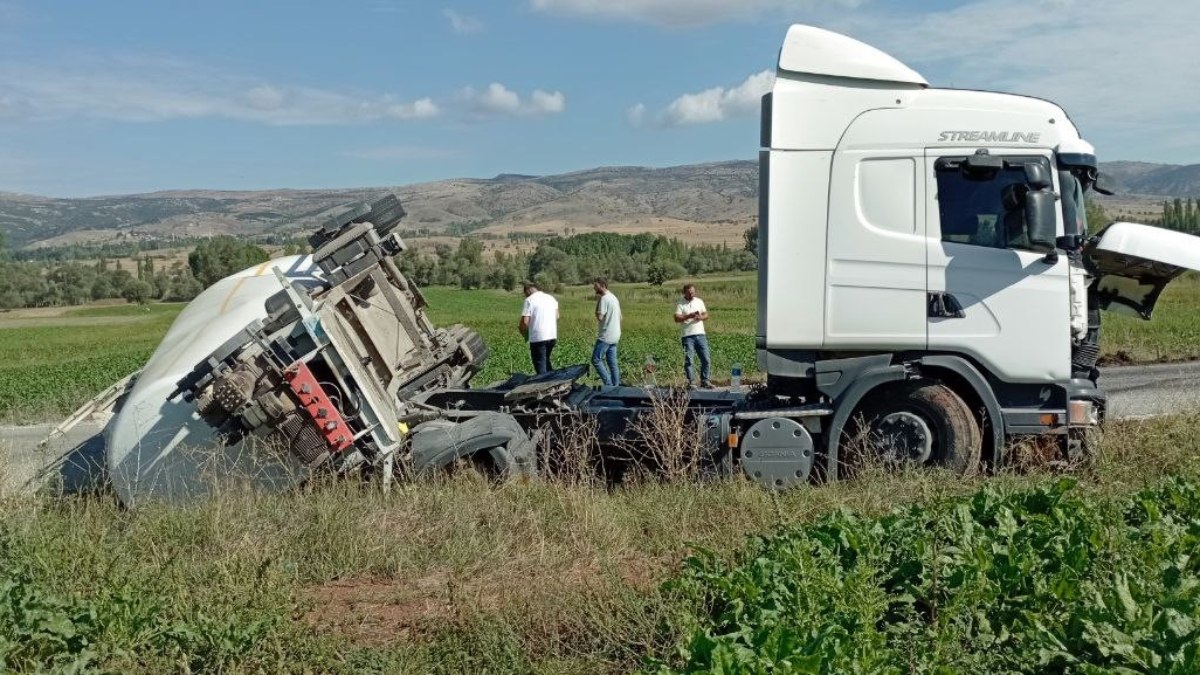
(376, 612)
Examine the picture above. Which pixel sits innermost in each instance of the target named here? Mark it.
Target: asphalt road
(1134, 392)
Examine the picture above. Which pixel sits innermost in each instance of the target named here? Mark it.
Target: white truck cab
(916, 237)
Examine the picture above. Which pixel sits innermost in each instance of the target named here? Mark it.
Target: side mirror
(1037, 177)
(1040, 219)
(1104, 185)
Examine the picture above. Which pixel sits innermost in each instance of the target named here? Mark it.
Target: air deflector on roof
(816, 51)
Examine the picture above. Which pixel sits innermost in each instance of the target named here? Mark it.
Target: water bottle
(735, 378)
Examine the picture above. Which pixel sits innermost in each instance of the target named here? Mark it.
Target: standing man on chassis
(691, 313)
(608, 320)
(539, 324)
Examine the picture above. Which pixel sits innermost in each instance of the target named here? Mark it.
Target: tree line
(556, 261)
(1181, 215)
(48, 283)
(574, 259)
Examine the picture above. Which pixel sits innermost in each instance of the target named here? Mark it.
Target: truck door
(990, 296)
(876, 251)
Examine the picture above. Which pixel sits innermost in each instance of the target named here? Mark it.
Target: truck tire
(493, 444)
(922, 423)
(386, 212)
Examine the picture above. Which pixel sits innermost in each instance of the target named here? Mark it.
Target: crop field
(50, 365)
(1044, 580)
(648, 329)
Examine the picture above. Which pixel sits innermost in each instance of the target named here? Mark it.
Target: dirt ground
(380, 611)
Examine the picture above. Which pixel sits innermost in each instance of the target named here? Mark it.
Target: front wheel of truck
(920, 423)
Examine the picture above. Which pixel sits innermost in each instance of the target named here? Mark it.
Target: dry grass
(666, 439)
(567, 449)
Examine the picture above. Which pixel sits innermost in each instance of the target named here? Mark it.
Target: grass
(647, 329)
(1172, 335)
(49, 366)
(48, 370)
(446, 576)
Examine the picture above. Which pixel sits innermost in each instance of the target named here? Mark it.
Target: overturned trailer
(328, 363)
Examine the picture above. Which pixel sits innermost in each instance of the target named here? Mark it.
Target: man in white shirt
(691, 313)
(539, 324)
(608, 334)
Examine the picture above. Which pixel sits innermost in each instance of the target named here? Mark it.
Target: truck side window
(980, 210)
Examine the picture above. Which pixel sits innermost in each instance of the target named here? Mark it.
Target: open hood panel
(1136, 262)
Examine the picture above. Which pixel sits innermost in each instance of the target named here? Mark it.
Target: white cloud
(422, 108)
(716, 104)
(547, 103)
(499, 100)
(147, 90)
(495, 99)
(635, 115)
(681, 12)
(265, 98)
(1124, 71)
(463, 24)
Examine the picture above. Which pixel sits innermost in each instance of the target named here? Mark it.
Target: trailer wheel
(920, 423)
(492, 444)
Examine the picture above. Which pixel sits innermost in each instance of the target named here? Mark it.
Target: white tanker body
(158, 446)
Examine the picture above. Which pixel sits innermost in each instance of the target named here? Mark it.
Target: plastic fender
(844, 406)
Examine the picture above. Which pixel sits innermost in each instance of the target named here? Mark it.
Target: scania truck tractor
(929, 291)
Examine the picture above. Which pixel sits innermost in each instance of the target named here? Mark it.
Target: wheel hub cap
(904, 437)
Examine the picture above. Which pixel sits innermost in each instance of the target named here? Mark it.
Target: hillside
(612, 197)
(1165, 180)
(703, 202)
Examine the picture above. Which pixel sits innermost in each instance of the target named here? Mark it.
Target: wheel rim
(904, 437)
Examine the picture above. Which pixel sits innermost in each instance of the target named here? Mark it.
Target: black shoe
(706, 385)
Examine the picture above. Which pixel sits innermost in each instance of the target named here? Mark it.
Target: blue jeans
(604, 358)
(539, 353)
(698, 345)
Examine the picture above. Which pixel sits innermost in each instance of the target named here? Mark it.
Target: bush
(217, 258)
(661, 272)
(140, 292)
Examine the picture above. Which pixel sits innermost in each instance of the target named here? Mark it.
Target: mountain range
(687, 201)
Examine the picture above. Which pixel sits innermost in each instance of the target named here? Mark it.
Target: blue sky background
(141, 95)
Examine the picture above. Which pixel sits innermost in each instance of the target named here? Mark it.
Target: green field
(1172, 335)
(648, 329)
(48, 366)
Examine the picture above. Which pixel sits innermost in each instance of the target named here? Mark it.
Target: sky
(142, 95)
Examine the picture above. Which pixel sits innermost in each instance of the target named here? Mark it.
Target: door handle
(944, 305)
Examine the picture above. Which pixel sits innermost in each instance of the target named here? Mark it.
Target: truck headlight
(1082, 413)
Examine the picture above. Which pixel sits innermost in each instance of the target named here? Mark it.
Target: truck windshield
(972, 207)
